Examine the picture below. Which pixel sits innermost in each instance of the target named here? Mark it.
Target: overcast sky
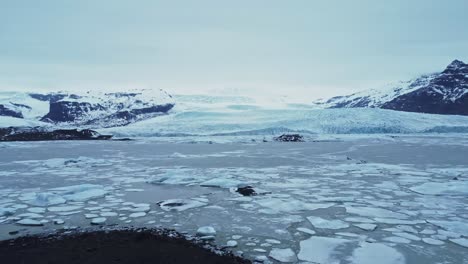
(315, 48)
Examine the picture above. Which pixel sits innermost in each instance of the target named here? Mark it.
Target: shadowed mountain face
(439, 93)
(447, 93)
(88, 109)
(6, 111)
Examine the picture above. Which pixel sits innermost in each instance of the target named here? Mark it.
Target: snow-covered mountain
(90, 109)
(439, 93)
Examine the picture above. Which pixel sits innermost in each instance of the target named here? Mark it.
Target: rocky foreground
(42, 134)
(118, 246)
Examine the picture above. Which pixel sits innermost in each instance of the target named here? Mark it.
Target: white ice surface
(284, 255)
(320, 249)
(319, 222)
(371, 253)
(442, 188)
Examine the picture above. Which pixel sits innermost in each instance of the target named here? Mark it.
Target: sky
(309, 48)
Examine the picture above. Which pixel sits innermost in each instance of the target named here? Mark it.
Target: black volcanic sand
(117, 246)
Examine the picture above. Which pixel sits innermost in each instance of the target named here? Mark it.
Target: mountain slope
(89, 109)
(439, 93)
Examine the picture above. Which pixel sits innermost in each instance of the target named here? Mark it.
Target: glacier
(247, 121)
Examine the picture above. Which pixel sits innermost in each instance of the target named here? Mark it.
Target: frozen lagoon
(400, 199)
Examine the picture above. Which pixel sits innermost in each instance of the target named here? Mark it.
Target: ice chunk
(89, 216)
(396, 239)
(109, 214)
(273, 241)
(174, 177)
(285, 255)
(64, 208)
(7, 211)
(45, 199)
(442, 188)
(319, 222)
(38, 210)
(206, 231)
(432, 241)
(135, 215)
(180, 204)
(370, 253)
(29, 222)
(276, 205)
(359, 220)
(58, 221)
(306, 230)
(367, 227)
(231, 243)
(407, 236)
(460, 241)
(393, 221)
(222, 182)
(320, 249)
(30, 215)
(82, 192)
(375, 212)
(453, 226)
(98, 220)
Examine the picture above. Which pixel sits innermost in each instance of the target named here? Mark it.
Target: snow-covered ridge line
(438, 93)
(88, 109)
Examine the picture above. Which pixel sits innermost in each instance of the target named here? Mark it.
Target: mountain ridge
(445, 92)
(90, 109)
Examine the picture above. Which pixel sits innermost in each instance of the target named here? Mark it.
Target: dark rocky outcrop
(41, 134)
(5, 111)
(447, 94)
(118, 246)
(290, 138)
(246, 191)
(439, 93)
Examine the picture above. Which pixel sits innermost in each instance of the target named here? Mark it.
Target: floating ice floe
(374, 212)
(179, 176)
(206, 231)
(82, 192)
(458, 227)
(98, 220)
(460, 241)
(180, 204)
(407, 236)
(89, 216)
(231, 243)
(29, 222)
(64, 208)
(285, 255)
(61, 195)
(432, 241)
(136, 215)
(320, 249)
(442, 188)
(43, 199)
(222, 182)
(30, 215)
(276, 205)
(4, 211)
(109, 214)
(58, 221)
(306, 230)
(319, 222)
(371, 253)
(393, 221)
(38, 210)
(367, 227)
(396, 239)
